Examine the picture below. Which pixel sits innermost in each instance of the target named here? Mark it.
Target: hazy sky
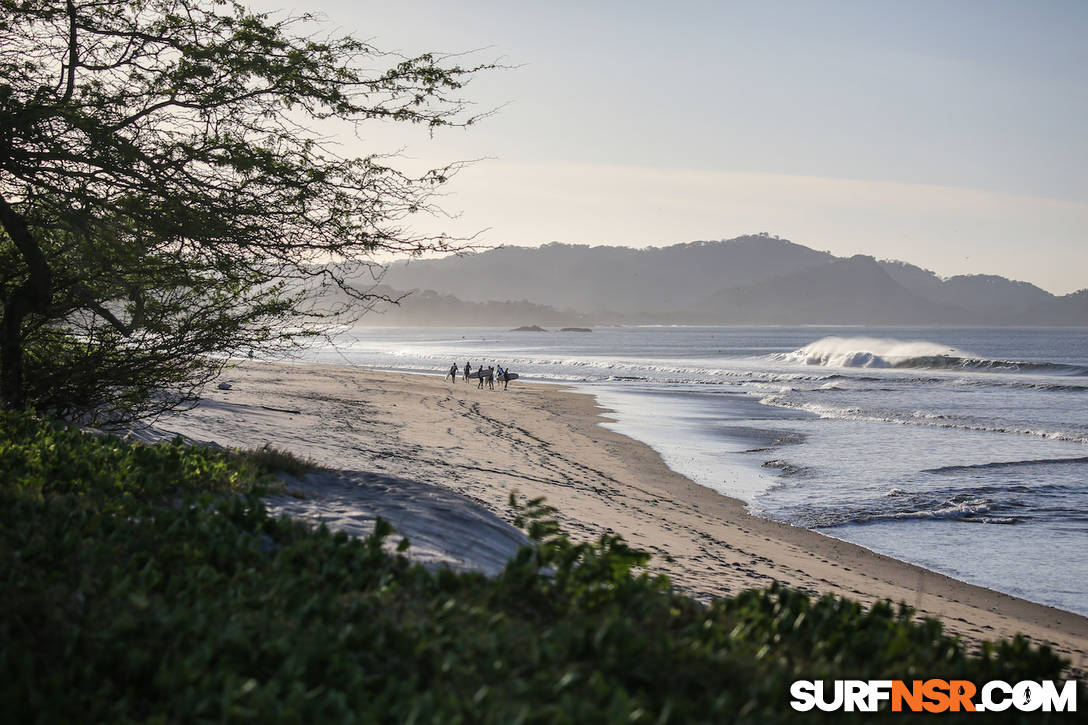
(953, 135)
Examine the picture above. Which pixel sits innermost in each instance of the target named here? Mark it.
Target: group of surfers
(485, 375)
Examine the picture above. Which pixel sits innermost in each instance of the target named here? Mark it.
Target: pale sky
(952, 135)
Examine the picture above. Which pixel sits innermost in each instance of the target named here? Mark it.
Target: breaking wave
(967, 510)
(959, 508)
(866, 352)
(1007, 464)
(944, 362)
(872, 352)
(922, 418)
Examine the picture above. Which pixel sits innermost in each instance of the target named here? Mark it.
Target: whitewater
(961, 450)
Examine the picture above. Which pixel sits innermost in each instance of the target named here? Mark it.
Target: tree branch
(33, 295)
(108, 316)
(73, 56)
(39, 281)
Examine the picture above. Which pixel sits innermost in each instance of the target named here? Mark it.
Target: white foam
(917, 418)
(866, 352)
(973, 511)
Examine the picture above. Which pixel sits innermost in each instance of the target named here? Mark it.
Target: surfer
(452, 374)
(468, 369)
(480, 375)
(491, 377)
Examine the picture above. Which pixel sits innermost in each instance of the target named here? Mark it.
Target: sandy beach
(421, 452)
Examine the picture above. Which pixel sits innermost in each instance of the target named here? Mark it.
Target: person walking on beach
(480, 375)
(490, 377)
(468, 369)
(452, 374)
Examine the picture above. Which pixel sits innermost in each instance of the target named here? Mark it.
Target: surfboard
(476, 375)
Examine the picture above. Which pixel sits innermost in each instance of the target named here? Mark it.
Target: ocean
(964, 451)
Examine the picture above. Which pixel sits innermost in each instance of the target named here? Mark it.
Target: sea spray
(867, 352)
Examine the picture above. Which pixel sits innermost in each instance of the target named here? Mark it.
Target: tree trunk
(33, 295)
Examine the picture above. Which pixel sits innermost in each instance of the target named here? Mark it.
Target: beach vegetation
(149, 584)
(275, 460)
(171, 194)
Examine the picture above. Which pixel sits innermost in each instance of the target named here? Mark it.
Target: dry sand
(416, 450)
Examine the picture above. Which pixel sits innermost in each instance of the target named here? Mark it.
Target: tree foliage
(167, 196)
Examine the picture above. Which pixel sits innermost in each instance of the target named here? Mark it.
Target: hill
(990, 299)
(852, 291)
(754, 279)
(597, 279)
(430, 308)
(1068, 311)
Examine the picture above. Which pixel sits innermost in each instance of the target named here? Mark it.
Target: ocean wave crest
(969, 511)
(1007, 464)
(960, 508)
(872, 352)
(865, 352)
(919, 418)
(948, 362)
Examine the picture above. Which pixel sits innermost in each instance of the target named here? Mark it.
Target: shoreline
(748, 476)
(548, 440)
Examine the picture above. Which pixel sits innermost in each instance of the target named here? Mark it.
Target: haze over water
(962, 450)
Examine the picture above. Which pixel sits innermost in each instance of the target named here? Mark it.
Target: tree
(167, 197)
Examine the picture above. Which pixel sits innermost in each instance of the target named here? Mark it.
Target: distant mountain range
(427, 308)
(755, 279)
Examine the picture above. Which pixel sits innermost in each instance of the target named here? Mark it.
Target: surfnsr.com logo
(933, 696)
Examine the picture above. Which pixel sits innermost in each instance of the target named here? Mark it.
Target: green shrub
(131, 594)
(270, 459)
(42, 460)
